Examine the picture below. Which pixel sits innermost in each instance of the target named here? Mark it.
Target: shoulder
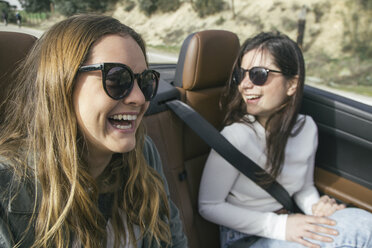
(6, 174)
(309, 124)
(237, 129)
(15, 193)
(6, 182)
(240, 133)
(306, 130)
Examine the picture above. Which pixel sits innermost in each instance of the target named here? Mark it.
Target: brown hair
(289, 59)
(41, 138)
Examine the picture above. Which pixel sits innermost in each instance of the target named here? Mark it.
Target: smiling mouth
(123, 122)
(252, 97)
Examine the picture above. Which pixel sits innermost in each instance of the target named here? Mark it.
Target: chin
(127, 147)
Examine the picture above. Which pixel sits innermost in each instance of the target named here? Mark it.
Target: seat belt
(223, 147)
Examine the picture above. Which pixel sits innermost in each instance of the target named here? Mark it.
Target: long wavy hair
(41, 138)
(288, 58)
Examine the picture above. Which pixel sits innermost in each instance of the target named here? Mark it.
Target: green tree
(34, 6)
(70, 7)
(4, 5)
(168, 5)
(148, 6)
(208, 7)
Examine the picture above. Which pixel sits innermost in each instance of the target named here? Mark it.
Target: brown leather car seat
(207, 67)
(13, 48)
(203, 68)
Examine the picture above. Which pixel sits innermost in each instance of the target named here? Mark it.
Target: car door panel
(344, 155)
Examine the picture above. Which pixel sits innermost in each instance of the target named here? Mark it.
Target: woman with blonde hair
(76, 168)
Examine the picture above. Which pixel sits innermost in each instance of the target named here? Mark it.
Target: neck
(262, 120)
(97, 163)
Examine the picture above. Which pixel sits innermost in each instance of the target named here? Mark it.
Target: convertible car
(344, 156)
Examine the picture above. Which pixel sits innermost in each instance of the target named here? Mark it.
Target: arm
(308, 195)
(307, 226)
(152, 156)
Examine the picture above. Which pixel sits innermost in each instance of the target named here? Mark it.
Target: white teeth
(250, 97)
(124, 117)
(123, 127)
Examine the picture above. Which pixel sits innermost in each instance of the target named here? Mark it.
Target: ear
(292, 86)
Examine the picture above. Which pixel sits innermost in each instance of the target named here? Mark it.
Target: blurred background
(335, 35)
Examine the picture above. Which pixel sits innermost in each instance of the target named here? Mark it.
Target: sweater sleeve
(152, 156)
(217, 180)
(308, 195)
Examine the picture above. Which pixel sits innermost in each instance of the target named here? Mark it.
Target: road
(15, 28)
(152, 55)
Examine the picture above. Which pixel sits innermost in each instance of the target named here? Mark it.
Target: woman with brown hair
(262, 101)
(76, 168)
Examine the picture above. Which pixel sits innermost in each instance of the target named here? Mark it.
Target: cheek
(143, 111)
(279, 96)
(88, 101)
(240, 89)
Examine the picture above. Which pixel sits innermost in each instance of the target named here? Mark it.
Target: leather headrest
(209, 58)
(13, 48)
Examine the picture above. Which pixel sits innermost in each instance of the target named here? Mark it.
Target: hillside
(327, 22)
(337, 42)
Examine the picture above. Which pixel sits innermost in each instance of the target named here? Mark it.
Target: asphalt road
(15, 28)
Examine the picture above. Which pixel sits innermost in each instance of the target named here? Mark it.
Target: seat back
(207, 67)
(203, 68)
(13, 48)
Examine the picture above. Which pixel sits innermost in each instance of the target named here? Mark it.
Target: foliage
(129, 5)
(220, 21)
(4, 5)
(168, 5)
(34, 6)
(150, 6)
(357, 32)
(70, 7)
(367, 4)
(208, 7)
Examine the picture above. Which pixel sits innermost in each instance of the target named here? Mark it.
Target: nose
(135, 97)
(246, 82)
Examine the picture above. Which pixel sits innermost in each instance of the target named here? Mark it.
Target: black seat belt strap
(223, 147)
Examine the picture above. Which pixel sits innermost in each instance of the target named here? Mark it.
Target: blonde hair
(40, 135)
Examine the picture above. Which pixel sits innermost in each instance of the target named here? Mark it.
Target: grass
(347, 73)
(358, 89)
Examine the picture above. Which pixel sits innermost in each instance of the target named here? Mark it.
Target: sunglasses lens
(258, 75)
(149, 84)
(119, 82)
(238, 75)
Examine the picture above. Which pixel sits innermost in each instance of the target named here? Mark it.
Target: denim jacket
(15, 214)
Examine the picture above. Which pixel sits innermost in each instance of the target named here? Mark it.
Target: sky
(14, 2)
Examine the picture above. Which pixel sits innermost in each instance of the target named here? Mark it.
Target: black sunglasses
(257, 75)
(118, 80)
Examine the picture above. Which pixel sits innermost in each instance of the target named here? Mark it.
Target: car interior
(344, 156)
